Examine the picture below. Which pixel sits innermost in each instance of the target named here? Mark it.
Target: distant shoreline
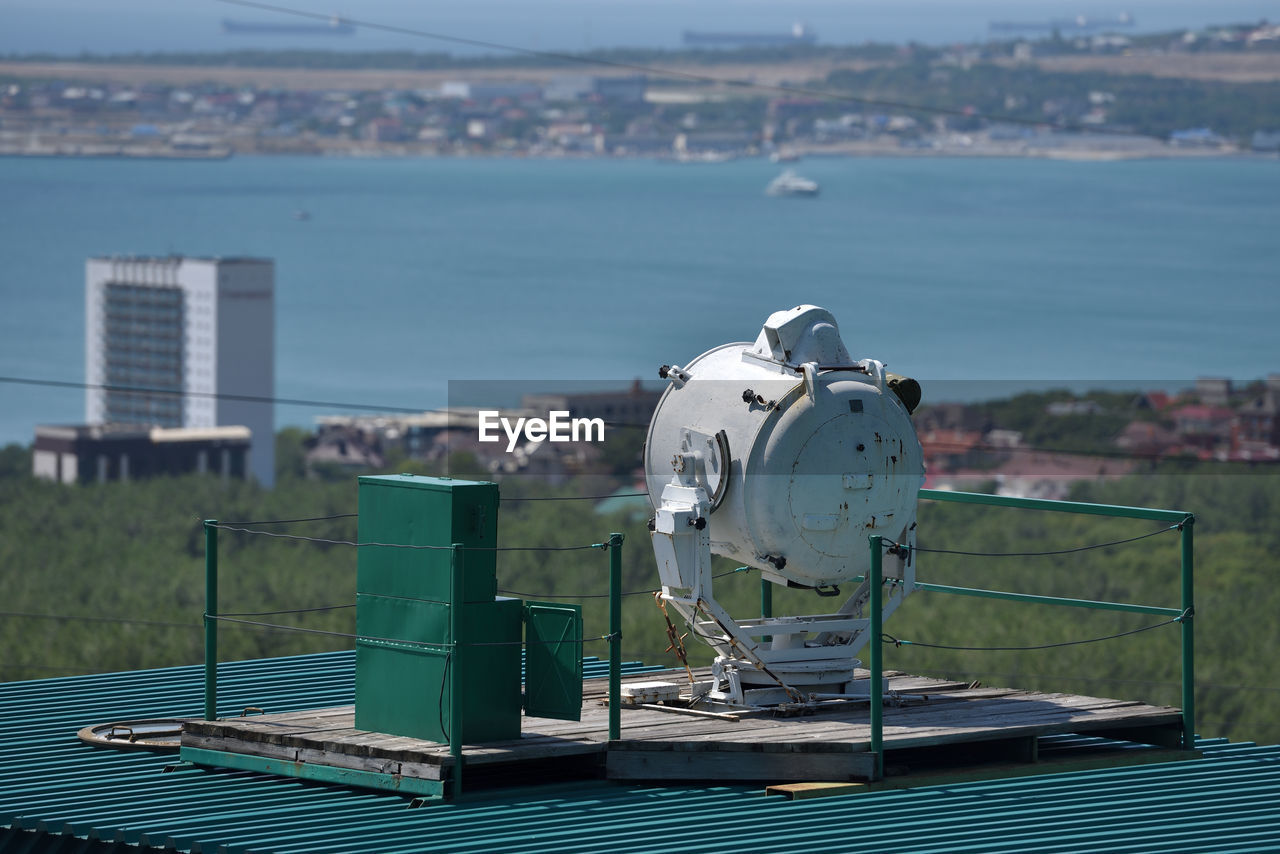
(1066, 155)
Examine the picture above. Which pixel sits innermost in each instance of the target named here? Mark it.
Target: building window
(142, 348)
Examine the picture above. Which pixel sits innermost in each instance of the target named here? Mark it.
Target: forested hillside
(110, 577)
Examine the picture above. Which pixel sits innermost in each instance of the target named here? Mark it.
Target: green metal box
(404, 603)
(408, 510)
(403, 689)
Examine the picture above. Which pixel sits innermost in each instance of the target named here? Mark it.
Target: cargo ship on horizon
(336, 26)
(1078, 24)
(799, 34)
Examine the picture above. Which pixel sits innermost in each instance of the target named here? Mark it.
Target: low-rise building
(634, 405)
(96, 453)
(1147, 439)
(1213, 391)
(1203, 426)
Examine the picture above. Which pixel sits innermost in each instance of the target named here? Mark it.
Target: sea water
(411, 273)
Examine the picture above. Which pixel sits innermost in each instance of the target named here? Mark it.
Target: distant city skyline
(69, 27)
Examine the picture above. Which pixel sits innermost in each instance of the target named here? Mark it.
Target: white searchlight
(785, 455)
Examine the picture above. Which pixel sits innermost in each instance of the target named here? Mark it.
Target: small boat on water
(791, 184)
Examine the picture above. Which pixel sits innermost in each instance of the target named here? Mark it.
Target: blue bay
(412, 273)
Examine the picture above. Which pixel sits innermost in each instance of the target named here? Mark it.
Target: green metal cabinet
(407, 655)
(403, 612)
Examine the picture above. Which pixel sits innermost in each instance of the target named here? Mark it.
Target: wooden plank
(806, 791)
(992, 721)
(996, 715)
(302, 756)
(1118, 758)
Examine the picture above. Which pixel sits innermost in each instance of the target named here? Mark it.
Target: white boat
(791, 184)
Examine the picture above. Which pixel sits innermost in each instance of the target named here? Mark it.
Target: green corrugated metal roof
(57, 794)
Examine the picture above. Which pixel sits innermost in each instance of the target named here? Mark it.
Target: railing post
(876, 607)
(615, 636)
(766, 604)
(1188, 635)
(455, 669)
(210, 623)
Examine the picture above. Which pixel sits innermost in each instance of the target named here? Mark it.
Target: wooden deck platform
(954, 724)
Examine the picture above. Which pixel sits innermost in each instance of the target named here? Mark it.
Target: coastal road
(304, 79)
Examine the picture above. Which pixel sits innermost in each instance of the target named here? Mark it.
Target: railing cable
(432, 645)
(890, 545)
(888, 638)
(606, 595)
(405, 545)
(292, 521)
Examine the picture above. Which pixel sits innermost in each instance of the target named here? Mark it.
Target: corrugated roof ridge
(249, 663)
(49, 779)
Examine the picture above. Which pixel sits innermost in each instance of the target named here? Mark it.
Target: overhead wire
(251, 398)
(213, 395)
(286, 611)
(1111, 681)
(326, 541)
(577, 497)
(293, 521)
(606, 595)
(92, 619)
(688, 76)
(1018, 449)
(225, 618)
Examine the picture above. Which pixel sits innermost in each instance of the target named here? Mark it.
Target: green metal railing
(615, 636)
(1184, 521)
(210, 619)
(1185, 614)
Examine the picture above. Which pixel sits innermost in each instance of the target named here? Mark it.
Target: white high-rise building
(200, 328)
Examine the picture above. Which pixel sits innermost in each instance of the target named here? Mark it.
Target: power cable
(250, 398)
(87, 619)
(430, 644)
(222, 618)
(606, 595)
(214, 395)
(689, 76)
(286, 611)
(1109, 681)
(1022, 449)
(503, 499)
(1101, 452)
(292, 521)
(579, 497)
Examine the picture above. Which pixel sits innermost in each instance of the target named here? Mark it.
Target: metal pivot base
(767, 660)
(740, 683)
